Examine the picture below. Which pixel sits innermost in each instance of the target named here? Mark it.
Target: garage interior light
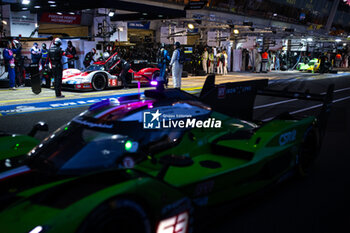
(190, 26)
(337, 40)
(51, 2)
(59, 13)
(25, 2)
(309, 39)
(37, 7)
(53, 5)
(111, 14)
(4, 22)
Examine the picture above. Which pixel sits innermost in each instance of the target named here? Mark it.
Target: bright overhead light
(236, 31)
(144, 13)
(25, 2)
(111, 14)
(71, 13)
(23, 16)
(37, 7)
(309, 39)
(344, 44)
(51, 2)
(53, 5)
(337, 40)
(160, 16)
(190, 26)
(59, 13)
(4, 22)
(24, 8)
(121, 29)
(274, 14)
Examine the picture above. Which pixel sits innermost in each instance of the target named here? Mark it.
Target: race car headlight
(37, 229)
(178, 224)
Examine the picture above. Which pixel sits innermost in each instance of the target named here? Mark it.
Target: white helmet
(57, 41)
(16, 44)
(105, 55)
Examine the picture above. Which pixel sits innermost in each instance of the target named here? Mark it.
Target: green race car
(14, 146)
(312, 65)
(157, 162)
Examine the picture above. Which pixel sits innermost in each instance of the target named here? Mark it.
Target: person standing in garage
(264, 60)
(125, 67)
(10, 62)
(205, 56)
(55, 55)
(35, 53)
(163, 61)
(70, 54)
(211, 62)
(176, 64)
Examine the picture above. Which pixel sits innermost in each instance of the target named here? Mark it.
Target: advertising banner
(60, 19)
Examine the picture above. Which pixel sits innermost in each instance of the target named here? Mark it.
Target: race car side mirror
(40, 126)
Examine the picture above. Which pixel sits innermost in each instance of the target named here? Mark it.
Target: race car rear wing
(237, 99)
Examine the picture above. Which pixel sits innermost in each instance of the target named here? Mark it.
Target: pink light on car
(154, 83)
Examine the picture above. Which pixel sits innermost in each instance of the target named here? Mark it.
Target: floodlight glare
(190, 26)
(236, 31)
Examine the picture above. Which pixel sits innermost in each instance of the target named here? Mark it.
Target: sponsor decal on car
(287, 137)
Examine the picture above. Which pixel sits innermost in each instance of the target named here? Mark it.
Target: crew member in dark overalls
(19, 63)
(125, 67)
(89, 57)
(70, 54)
(55, 55)
(163, 62)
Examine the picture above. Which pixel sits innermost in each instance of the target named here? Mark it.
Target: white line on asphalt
(309, 108)
(291, 100)
(339, 90)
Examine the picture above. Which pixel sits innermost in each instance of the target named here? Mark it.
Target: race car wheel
(155, 75)
(308, 151)
(117, 216)
(99, 82)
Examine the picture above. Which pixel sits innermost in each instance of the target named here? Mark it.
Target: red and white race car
(104, 74)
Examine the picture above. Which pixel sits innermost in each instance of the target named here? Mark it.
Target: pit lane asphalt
(318, 204)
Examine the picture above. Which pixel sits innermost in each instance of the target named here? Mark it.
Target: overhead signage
(138, 25)
(195, 5)
(60, 19)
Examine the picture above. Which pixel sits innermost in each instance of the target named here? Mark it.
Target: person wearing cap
(55, 55)
(176, 67)
(35, 53)
(10, 62)
(70, 54)
(89, 57)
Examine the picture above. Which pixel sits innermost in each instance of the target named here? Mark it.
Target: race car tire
(308, 151)
(155, 75)
(121, 215)
(99, 82)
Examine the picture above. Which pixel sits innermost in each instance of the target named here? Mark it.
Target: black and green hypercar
(13, 147)
(156, 162)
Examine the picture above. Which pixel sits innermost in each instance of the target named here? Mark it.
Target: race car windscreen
(95, 67)
(79, 149)
(76, 150)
